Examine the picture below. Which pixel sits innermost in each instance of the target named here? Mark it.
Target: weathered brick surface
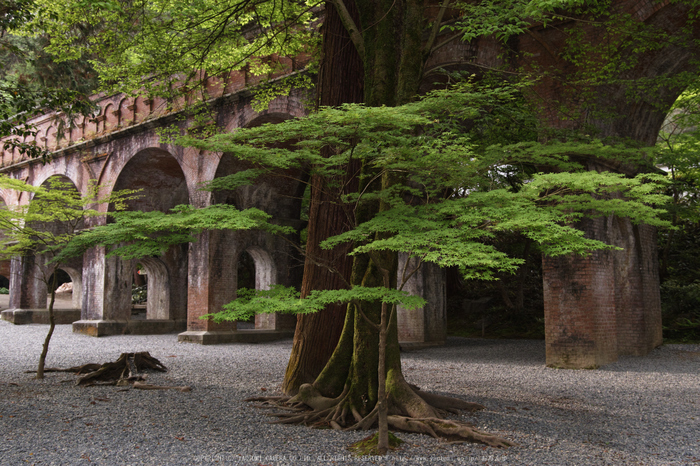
(121, 150)
(426, 325)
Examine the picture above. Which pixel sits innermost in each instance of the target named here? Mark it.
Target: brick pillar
(27, 290)
(579, 306)
(106, 307)
(637, 297)
(211, 284)
(5, 269)
(426, 326)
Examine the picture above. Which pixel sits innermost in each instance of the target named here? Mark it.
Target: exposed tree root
(411, 410)
(84, 369)
(123, 371)
(444, 428)
(446, 403)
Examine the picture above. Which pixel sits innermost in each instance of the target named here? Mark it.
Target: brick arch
(77, 128)
(142, 109)
(226, 165)
(268, 117)
(9, 197)
(285, 107)
(265, 270)
(51, 137)
(126, 114)
(158, 173)
(158, 302)
(643, 10)
(68, 171)
(110, 120)
(76, 277)
(43, 137)
(116, 164)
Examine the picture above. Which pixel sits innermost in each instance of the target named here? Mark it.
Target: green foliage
(447, 203)
(176, 43)
(47, 220)
(139, 294)
(54, 216)
(31, 83)
(286, 300)
(680, 306)
(509, 18)
(136, 234)
(678, 153)
(4, 290)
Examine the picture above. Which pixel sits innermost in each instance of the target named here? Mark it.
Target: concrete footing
(40, 316)
(100, 328)
(240, 336)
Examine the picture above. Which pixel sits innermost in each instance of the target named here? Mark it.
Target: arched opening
(256, 270)
(256, 254)
(678, 154)
(69, 285)
(156, 287)
(150, 290)
(68, 274)
(245, 278)
(158, 176)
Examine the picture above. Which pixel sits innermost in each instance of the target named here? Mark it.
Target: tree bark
(52, 326)
(362, 385)
(316, 336)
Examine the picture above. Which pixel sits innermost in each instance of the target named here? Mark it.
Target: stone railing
(117, 112)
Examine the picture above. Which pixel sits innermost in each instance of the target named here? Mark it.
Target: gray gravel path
(640, 410)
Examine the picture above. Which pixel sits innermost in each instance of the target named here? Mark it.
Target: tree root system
(124, 371)
(413, 411)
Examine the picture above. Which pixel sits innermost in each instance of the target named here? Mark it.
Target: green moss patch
(368, 445)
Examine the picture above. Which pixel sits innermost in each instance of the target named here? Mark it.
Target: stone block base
(101, 328)
(40, 316)
(240, 336)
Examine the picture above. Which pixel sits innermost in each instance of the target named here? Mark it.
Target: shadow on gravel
(666, 359)
(485, 351)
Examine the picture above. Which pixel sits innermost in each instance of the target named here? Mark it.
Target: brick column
(579, 306)
(106, 306)
(211, 284)
(27, 290)
(637, 297)
(426, 326)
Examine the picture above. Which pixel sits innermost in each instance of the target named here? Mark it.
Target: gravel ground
(640, 410)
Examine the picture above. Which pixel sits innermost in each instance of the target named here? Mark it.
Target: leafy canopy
(158, 46)
(51, 217)
(447, 203)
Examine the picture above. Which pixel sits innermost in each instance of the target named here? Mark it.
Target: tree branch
(427, 49)
(350, 26)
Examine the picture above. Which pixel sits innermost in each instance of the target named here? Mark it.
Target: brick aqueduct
(596, 308)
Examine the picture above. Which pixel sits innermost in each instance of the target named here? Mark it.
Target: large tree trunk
(316, 336)
(362, 384)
